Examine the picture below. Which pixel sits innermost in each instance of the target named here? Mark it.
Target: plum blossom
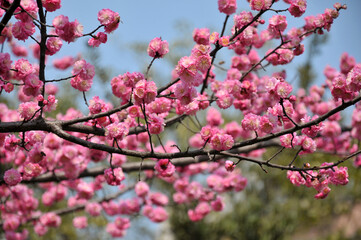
(12, 177)
(165, 168)
(227, 6)
(157, 48)
(114, 176)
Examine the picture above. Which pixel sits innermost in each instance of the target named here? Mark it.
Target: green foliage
(272, 208)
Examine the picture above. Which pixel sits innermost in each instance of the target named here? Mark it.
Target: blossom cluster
(118, 137)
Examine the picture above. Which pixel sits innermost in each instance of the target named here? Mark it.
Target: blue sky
(143, 20)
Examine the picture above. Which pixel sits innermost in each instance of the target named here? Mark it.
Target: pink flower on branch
(165, 168)
(157, 48)
(51, 5)
(227, 6)
(12, 177)
(114, 176)
(109, 19)
(98, 39)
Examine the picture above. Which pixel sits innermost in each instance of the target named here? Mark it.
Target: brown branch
(219, 47)
(9, 13)
(144, 165)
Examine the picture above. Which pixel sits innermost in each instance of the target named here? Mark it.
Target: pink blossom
(158, 214)
(259, 5)
(217, 204)
(63, 63)
(141, 189)
(233, 129)
(114, 231)
(221, 142)
(194, 216)
(83, 69)
(229, 165)
(241, 62)
(313, 130)
(111, 208)
(201, 36)
(122, 223)
(23, 68)
(295, 178)
(28, 110)
(207, 132)
(96, 105)
(346, 63)
(81, 84)
(22, 30)
(203, 63)
(11, 142)
(277, 24)
(80, 222)
(158, 198)
(84, 73)
(98, 39)
(323, 193)
(357, 162)
(353, 79)
(145, 92)
(224, 41)
(331, 129)
(11, 235)
(68, 31)
(131, 79)
(156, 124)
(340, 89)
(114, 176)
(308, 144)
(214, 37)
(251, 122)
(224, 99)
(32, 85)
(181, 184)
(214, 117)
(179, 198)
(159, 105)
(227, 6)
(215, 183)
(157, 48)
(119, 89)
(267, 124)
(50, 104)
(281, 57)
(340, 176)
(242, 19)
(30, 11)
(12, 177)
(191, 108)
(283, 89)
(297, 8)
(50, 219)
(165, 168)
(187, 70)
(51, 5)
(11, 223)
(9, 87)
(185, 93)
(85, 190)
(109, 19)
(53, 45)
(5, 63)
